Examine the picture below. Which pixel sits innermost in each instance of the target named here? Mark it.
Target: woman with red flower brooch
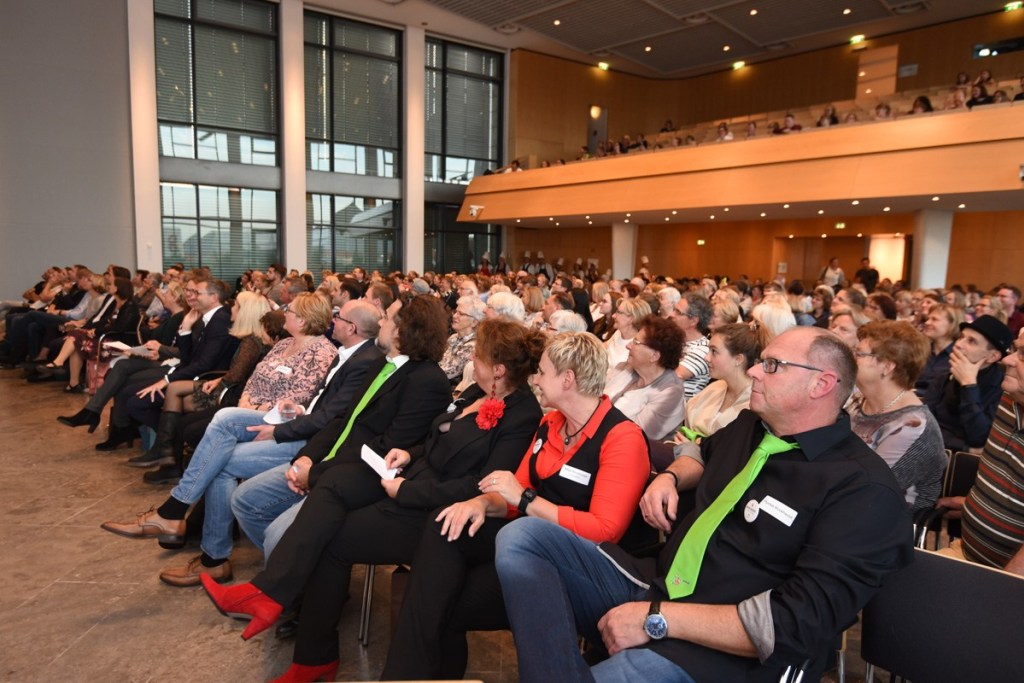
(487, 428)
(585, 470)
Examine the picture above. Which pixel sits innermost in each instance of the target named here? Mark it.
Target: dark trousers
(453, 588)
(123, 372)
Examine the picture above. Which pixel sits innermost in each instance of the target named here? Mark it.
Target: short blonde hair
(251, 307)
(315, 312)
(582, 353)
(636, 308)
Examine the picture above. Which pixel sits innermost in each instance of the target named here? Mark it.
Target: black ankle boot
(118, 436)
(81, 418)
(162, 452)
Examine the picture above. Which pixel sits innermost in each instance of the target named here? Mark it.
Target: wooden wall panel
(567, 243)
(986, 249)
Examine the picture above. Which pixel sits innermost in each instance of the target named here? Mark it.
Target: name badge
(778, 510)
(283, 369)
(573, 474)
(451, 407)
(751, 510)
(537, 445)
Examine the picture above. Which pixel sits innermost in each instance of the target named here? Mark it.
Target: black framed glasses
(337, 316)
(771, 365)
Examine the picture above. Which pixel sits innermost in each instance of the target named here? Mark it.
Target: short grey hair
(567, 321)
(477, 309)
(507, 305)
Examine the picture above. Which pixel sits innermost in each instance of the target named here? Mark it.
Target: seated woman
(942, 328)
(468, 313)
(732, 351)
(627, 314)
(845, 322)
(487, 429)
(992, 305)
(585, 471)
(190, 396)
(821, 305)
(118, 317)
(725, 311)
(646, 388)
(772, 317)
(604, 328)
(889, 416)
(533, 303)
(292, 371)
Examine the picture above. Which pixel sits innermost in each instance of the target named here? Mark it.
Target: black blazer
(212, 351)
(336, 397)
(120, 324)
(398, 415)
(447, 468)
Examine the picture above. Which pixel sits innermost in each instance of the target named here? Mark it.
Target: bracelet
(671, 474)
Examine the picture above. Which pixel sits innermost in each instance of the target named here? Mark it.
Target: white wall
(65, 143)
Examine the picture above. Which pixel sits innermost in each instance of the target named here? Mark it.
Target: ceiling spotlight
(712, 216)
(961, 206)
(557, 22)
(551, 218)
(726, 48)
(587, 217)
(629, 215)
(857, 39)
(674, 212)
(860, 234)
(935, 198)
(736, 66)
(855, 202)
(590, 222)
(647, 48)
(603, 66)
(667, 218)
(821, 211)
(823, 235)
(725, 209)
(763, 214)
(753, 12)
(790, 237)
(847, 11)
(627, 220)
(785, 206)
(557, 224)
(519, 220)
(885, 209)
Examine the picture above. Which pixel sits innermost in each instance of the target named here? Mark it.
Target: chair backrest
(942, 619)
(960, 475)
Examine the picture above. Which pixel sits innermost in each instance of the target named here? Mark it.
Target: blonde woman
(627, 316)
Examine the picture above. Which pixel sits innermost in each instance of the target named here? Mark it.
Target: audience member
(942, 327)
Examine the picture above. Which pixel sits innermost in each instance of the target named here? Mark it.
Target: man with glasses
(692, 313)
(796, 524)
(993, 511)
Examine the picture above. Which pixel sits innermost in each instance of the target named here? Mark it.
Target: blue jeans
(542, 564)
(261, 500)
(226, 454)
(275, 530)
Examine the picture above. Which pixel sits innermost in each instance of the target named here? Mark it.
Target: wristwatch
(655, 626)
(526, 499)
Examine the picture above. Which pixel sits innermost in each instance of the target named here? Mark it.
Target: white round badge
(537, 446)
(751, 510)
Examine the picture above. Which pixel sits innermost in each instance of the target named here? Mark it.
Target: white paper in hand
(371, 458)
(273, 417)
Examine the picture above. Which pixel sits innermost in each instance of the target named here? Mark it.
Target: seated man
(964, 401)
(758, 577)
(993, 511)
(239, 444)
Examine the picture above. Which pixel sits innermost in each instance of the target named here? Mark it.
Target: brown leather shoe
(169, 532)
(188, 575)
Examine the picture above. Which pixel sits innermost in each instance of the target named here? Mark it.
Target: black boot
(82, 417)
(162, 452)
(118, 436)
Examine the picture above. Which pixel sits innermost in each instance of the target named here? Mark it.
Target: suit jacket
(337, 396)
(212, 351)
(398, 415)
(447, 468)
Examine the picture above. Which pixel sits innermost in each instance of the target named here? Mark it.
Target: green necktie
(376, 384)
(682, 575)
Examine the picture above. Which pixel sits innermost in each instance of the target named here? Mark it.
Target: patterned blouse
(458, 353)
(295, 378)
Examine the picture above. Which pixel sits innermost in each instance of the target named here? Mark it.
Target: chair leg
(364, 615)
(869, 672)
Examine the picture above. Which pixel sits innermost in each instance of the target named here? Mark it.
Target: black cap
(997, 334)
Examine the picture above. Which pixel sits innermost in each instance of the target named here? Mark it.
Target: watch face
(656, 626)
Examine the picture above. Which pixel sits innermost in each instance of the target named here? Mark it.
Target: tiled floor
(80, 604)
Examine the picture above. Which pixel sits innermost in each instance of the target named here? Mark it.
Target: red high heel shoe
(243, 601)
(302, 673)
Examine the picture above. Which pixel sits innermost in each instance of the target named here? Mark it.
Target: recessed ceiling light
(628, 215)
(551, 218)
(753, 12)
(627, 220)
(725, 209)
(736, 66)
(860, 234)
(726, 48)
(518, 220)
(823, 235)
(862, 74)
(557, 224)
(603, 66)
(763, 214)
(855, 202)
(587, 217)
(790, 237)
(867, 91)
(667, 218)
(847, 11)
(590, 222)
(898, 234)
(647, 48)
(821, 211)
(961, 206)
(935, 198)
(859, 38)
(712, 216)
(557, 22)
(785, 206)
(885, 209)
(674, 212)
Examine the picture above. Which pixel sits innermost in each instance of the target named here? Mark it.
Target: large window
(344, 232)
(449, 245)
(352, 97)
(216, 80)
(463, 111)
(227, 229)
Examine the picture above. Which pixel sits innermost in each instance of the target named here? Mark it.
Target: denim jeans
(275, 530)
(549, 573)
(226, 454)
(260, 501)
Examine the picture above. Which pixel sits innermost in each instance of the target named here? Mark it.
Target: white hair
(567, 321)
(508, 306)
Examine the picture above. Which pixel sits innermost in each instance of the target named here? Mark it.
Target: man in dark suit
(238, 444)
(396, 413)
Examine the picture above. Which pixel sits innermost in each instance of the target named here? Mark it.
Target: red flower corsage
(490, 412)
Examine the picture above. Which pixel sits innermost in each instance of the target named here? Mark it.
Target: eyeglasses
(337, 316)
(864, 354)
(771, 365)
(193, 292)
(636, 342)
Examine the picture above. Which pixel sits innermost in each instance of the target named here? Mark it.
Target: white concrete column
(149, 253)
(413, 146)
(623, 250)
(932, 232)
(293, 135)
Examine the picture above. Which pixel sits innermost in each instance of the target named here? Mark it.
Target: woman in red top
(585, 470)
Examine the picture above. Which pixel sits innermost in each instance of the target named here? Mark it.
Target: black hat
(997, 334)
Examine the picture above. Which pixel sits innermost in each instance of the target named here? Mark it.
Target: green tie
(376, 384)
(682, 575)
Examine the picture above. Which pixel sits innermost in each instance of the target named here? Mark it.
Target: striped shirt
(695, 359)
(993, 513)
